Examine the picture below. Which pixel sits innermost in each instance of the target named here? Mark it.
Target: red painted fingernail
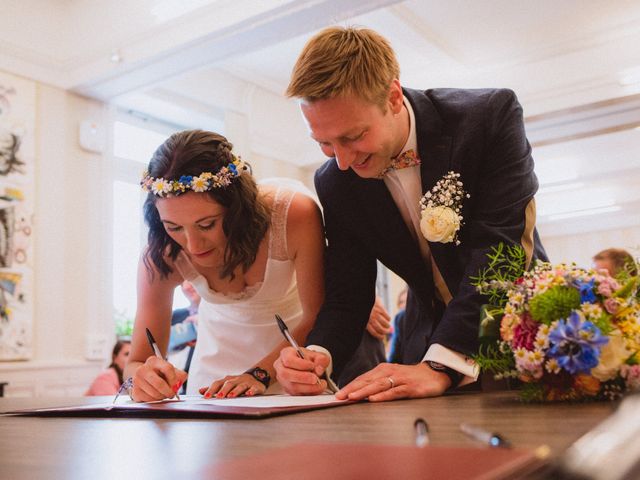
(231, 395)
(219, 395)
(176, 387)
(249, 393)
(207, 395)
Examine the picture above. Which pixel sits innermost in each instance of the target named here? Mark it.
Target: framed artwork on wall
(17, 189)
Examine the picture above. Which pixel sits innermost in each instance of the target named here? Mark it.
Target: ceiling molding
(584, 121)
(251, 34)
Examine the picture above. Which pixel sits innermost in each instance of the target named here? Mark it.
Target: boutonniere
(440, 207)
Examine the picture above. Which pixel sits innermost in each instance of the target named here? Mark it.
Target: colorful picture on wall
(17, 186)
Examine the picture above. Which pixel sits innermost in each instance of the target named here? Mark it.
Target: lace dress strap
(279, 213)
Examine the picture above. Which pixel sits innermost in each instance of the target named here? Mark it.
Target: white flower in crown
(160, 187)
(440, 218)
(199, 184)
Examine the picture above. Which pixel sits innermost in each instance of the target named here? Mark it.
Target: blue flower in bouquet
(575, 344)
(587, 295)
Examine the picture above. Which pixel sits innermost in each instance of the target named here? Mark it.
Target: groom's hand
(301, 376)
(391, 381)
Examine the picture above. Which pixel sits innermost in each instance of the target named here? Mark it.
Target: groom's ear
(395, 98)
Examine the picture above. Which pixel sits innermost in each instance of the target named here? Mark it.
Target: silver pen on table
(156, 350)
(422, 432)
(490, 438)
(290, 339)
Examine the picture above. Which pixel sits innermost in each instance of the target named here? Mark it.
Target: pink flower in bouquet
(605, 289)
(612, 305)
(524, 333)
(631, 375)
(508, 322)
(607, 285)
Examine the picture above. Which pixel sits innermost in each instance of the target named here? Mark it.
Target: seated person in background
(179, 315)
(614, 261)
(109, 381)
(250, 251)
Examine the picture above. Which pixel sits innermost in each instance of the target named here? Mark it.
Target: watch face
(260, 374)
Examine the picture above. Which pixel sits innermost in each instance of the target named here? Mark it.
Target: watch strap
(455, 376)
(261, 375)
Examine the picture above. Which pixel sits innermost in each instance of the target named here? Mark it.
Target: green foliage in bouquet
(506, 263)
(557, 302)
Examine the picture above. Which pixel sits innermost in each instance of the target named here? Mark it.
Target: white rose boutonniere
(440, 219)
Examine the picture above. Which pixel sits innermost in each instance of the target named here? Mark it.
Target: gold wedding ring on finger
(391, 382)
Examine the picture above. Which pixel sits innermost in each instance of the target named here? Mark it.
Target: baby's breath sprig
(441, 209)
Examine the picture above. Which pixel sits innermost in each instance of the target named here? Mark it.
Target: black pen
(422, 432)
(290, 339)
(156, 350)
(490, 438)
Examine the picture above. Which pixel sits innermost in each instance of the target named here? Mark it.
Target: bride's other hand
(233, 386)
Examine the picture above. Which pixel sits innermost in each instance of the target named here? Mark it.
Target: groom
(388, 147)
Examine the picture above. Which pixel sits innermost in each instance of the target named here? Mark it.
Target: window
(134, 142)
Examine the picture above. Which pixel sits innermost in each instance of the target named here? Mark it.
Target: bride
(251, 252)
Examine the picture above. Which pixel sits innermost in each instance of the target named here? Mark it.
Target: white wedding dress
(235, 331)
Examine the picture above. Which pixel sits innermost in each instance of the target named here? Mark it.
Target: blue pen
(490, 438)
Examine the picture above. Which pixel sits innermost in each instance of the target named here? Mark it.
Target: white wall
(581, 248)
(70, 281)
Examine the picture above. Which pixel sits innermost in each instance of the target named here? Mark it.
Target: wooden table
(85, 448)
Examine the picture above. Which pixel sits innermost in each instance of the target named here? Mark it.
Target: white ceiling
(193, 61)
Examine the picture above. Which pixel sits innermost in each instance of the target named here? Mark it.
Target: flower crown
(202, 183)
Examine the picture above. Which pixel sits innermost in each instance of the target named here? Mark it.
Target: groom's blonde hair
(341, 61)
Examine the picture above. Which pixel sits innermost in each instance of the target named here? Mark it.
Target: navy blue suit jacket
(477, 133)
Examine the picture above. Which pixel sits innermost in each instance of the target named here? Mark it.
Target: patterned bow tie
(405, 159)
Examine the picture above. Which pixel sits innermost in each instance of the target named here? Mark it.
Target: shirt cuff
(452, 359)
(331, 386)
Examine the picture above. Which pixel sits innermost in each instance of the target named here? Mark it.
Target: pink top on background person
(104, 384)
(108, 381)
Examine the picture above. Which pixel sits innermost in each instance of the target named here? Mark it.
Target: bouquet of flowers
(565, 332)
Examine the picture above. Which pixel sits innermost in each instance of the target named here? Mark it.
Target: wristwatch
(455, 376)
(261, 375)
